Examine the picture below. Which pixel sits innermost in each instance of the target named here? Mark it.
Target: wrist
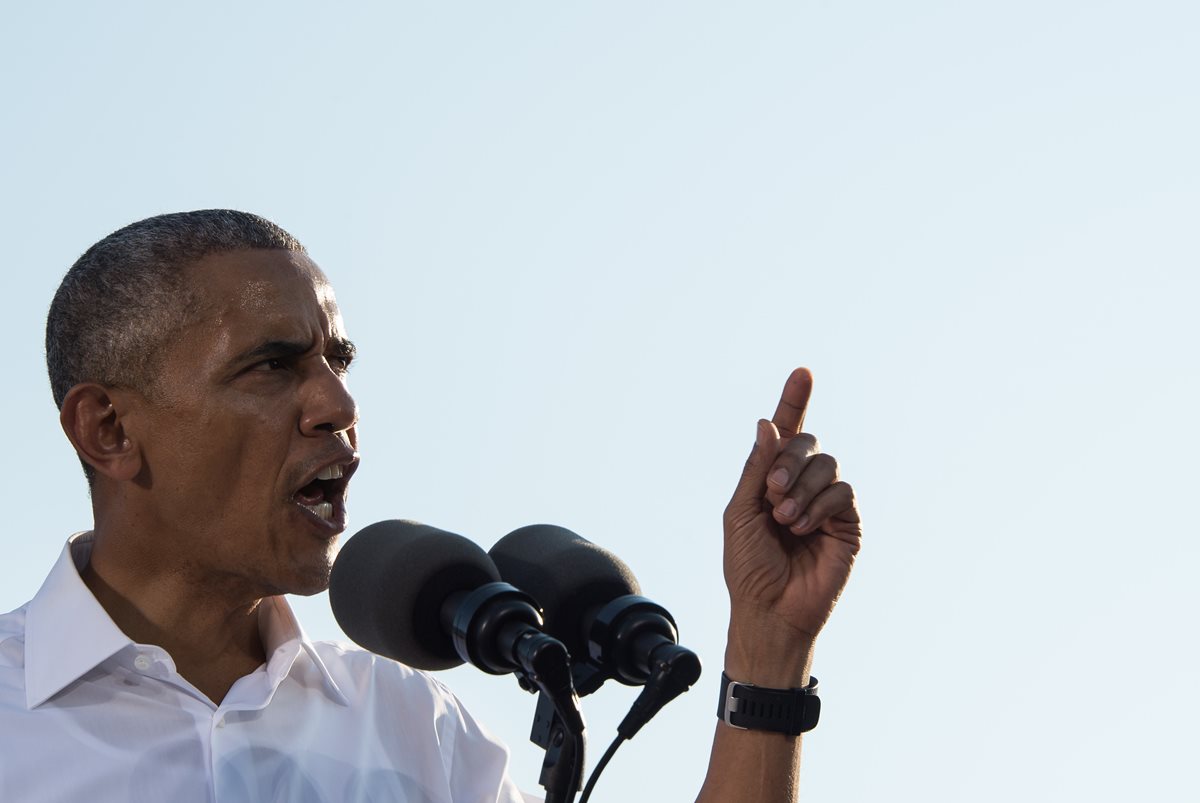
(790, 711)
(765, 651)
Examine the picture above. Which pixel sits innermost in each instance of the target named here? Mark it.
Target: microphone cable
(599, 768)
(675, 669)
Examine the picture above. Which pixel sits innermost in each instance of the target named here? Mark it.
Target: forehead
(264, 286)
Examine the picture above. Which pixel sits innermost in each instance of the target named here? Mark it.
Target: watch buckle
(732, 704)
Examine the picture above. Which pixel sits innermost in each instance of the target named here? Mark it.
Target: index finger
(789, 414)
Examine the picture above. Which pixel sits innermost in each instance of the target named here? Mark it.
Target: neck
(210, 632)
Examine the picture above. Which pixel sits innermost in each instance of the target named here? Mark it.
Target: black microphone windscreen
(568, 575)
(388, 585)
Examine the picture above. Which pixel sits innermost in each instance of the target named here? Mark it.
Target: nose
(328, 405)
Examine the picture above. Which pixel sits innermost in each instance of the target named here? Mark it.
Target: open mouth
(325, 495)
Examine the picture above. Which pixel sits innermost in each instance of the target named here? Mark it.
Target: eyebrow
(339, 346)
(342, 348)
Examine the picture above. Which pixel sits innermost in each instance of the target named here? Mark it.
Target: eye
(272, 364)
(340, 362)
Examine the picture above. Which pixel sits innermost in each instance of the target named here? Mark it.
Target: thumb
(747, 501)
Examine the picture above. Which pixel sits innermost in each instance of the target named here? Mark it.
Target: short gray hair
(128, 294)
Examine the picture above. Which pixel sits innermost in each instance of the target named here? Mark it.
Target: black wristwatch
(750, 707)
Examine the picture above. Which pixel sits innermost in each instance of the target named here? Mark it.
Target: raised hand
(791, 533)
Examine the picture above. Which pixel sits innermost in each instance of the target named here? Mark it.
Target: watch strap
(750, 707)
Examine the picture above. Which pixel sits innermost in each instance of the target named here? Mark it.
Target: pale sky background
(582, 245)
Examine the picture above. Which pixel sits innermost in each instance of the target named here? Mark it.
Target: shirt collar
(68, 633)
(279, 628)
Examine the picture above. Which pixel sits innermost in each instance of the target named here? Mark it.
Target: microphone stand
(497, 628)
(562, 770)
(558, 726)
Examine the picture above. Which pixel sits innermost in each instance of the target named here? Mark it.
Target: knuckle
(843, 491)
(827, 463)
(802, 492)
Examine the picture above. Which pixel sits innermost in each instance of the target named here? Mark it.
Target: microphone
(433, 600)
(593, 604)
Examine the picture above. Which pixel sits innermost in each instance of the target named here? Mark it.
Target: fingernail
(760, 434)
(801, 522)
(779, 477)
(787, 508)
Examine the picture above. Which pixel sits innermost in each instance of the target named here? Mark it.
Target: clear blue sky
(582, 245)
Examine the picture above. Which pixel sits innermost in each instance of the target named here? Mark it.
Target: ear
(92, 416)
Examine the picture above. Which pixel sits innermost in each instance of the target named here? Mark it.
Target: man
(199, 362)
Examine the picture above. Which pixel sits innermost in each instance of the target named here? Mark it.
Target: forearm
(750, 765)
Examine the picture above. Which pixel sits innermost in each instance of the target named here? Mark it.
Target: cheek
(221, 463)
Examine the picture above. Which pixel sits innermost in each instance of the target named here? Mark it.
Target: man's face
(249, 439)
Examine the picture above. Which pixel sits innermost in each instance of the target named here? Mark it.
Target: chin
(302, 579)
(309, 589)
(310, 580)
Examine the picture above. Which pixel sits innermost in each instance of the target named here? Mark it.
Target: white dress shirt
(88, 715)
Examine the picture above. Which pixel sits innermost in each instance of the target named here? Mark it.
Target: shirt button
(221, 722)
(141, 663)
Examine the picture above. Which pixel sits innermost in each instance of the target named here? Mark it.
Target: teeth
(331, 473)
(322, 510)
